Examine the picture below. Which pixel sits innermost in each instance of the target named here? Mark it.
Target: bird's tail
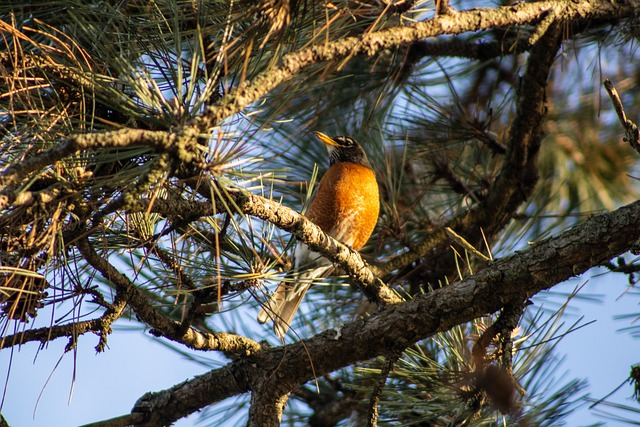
(282, 306)
(285, 301)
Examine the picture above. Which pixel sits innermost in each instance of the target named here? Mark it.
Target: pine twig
(191, 338)
(122, 421)
(376, 393)
(631, 129)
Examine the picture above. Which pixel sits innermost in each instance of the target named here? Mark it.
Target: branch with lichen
(374, 42)
(161, 325)
(510, 280)
(289, 220)
(368, 44)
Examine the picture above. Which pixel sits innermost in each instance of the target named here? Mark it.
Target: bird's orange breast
(347, 203)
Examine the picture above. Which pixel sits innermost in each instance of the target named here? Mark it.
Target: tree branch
(509, 280)
(632, 130)
(46, 334)
(289, 220)
(190, 337)
(518, 176)
(371, 43)
(117, 138)
(266, 408)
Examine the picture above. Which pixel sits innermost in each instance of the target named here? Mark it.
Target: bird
(346, 206)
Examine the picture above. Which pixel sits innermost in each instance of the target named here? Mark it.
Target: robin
(346, 207)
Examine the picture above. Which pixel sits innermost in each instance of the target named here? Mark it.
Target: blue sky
(600, 351)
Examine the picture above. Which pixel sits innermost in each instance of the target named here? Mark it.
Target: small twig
(465, 244)
(123, 421)
(206, 299)
(112, 314)
(624, 268)
(542, 27)
(506, 324)
(376, 393)
(443, 170)
(169, 261)
(634, 376)
(443, 8)
(101, 325)
(400, 6)
(497, 380)
(631, 129)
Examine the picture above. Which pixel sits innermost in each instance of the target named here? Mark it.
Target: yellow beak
(326, 139)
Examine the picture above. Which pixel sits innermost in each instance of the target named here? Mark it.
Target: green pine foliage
(434, 116)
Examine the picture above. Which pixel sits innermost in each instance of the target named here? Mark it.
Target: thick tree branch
(165, 407)
(371, 43)
(368, 44)
(510, 280)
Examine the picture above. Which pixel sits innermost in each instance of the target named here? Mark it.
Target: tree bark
(510, 280)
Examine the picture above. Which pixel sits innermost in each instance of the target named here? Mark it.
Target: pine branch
(191, 338)
(165, 141)
(75, 329)
(509, 280)
(518, 175)
(308, 232)
(369, 44)
(373, 42)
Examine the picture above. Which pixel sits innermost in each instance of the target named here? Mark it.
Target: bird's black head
(344, 149)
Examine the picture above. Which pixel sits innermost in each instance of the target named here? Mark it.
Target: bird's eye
(345, 141)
